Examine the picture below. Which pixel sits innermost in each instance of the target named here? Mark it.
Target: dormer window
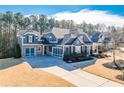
(81, 37)
(50, 38)
(30, 39)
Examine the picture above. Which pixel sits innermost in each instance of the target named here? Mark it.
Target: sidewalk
(81, 78)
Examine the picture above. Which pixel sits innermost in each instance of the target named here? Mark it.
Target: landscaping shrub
(17, 51)
(101, 55)
(75, 57)
(66, 57)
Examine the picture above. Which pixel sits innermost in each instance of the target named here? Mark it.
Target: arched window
(81, 37)
(50, 38)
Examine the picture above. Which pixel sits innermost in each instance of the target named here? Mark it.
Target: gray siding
(77, 43)
(34, 39)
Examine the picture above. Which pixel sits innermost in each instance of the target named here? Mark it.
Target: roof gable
(96, 36)
(77, 41)
(50, 37)
(85, 38)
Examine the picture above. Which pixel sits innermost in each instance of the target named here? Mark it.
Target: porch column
(43, 50)
(97, 49)
(63, 51)
(81, 49)
(22, 51)
(52, 51)
(71, 49)
(89, 50)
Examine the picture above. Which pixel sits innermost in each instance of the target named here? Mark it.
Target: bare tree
(116, 35)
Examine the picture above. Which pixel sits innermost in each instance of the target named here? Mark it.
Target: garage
(29, 51)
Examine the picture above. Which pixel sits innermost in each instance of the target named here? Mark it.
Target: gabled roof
(58, 32)
(85, 38)
(69, 39)
(101, 37)
(21, 32)
(32, 32)
(96, 36)
(24, 32)
(44, 40)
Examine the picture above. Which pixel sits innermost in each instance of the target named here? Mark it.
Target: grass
(9, 62)
(99, 69)
(16, 73)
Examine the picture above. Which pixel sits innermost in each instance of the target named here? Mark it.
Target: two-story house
(55, 42)
(65, 41)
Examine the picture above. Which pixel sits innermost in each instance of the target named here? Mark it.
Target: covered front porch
(70, 49)
(47, 50)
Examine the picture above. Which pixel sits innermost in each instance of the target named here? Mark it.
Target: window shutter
(73, 49)
(27, 39)
(33, 39)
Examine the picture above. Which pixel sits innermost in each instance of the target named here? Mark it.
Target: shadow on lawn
(110, 65)
(120, 77)
(9, 62)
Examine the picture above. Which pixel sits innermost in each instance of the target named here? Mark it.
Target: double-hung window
(30, 39)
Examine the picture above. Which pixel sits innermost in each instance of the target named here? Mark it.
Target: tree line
(11, 23)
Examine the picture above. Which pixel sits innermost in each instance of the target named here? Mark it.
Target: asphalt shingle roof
(95, 37)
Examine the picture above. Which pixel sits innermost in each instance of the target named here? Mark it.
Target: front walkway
(81, 78)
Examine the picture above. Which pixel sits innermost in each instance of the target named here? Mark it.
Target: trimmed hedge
(75, 57)
(100, 55)
(17, 51)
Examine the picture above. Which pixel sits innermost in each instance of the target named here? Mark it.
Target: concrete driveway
(69, 72)
(48, 61)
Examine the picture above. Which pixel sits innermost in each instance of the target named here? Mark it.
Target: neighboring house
(101, 41)
(55, 42)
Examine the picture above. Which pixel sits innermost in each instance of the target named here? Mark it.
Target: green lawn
(9, 62)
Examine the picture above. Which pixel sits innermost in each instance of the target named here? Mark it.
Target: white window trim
(50, 38)
(30, 39)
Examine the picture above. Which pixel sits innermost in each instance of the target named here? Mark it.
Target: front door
(48, 50)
